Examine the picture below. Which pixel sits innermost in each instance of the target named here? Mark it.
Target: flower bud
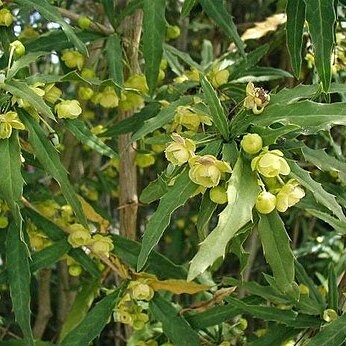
(144, 160)
(206, 170)
(101, 245)
(52, 93)
(218, 194)
(256, 98)
(6, 18)
(180, 151)
(173, 32)
(73, 59)
(330, 315)
(137, 81)
(70, 109)
(18, 48)
(75, 270)
(85, 93)
(3, 221)
(88, 73)
(141, 290)
(265, 202)
(252, 143)
(139, 321)
(270, 164)
(79, 236)
(84, 22)
(303, 289)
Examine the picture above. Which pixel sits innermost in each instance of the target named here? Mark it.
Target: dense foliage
(227, 119)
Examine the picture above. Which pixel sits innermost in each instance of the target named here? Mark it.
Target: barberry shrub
(172, 172)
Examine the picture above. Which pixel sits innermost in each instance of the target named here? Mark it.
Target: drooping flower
(207, 170)
(186, 117)
(180, 151)
(9, 121)
(265, 202)
(101, 245)
(290, 194)
(69, 109)
(79, 236)
(270, 163)
(252, 143)
(218, 194)
(256, 98)
(73, 59)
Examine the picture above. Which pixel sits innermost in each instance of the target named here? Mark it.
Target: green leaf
(114, 58)
(267, 313)
(135, 122)
(333, 333)
(320, 15)
(309, 116)
(275, 335)
(217, 113)
(80, 307)
(321, 195)
(206, 211)
(81, 131)
(24, 61)
(187, 7)
(51, 13)
(159, 265)
(261, 74)
(185, 57)
(49, 158)
(242, 194)
(339, 226)
(49, 255)
(207, 53)
(11, 180)
(277, 250)
(162, 118)
(174, 326)
(294, 33)
(56, 40)
(154, 30)
(333, 293)
(176, 196)
(217, 11)
(93, 323)
(22, 91)
(19, 280)
(154, 191)
(85, 261)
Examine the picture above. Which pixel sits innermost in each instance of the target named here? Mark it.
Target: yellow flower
(218, 78)
(144, 160)
(265, 202)
(101, 245)
(70, 109)
(252, 143)
(85, 93)
(256, 98)
(290, 194)
(88, 73)
(123, 316)
(206, 170)
(18, 48)
(107, 98)
(73, 59)
(52, 93)
(270, 163)
(6, 18)
(187, 118)
(172, 32)
(139, 321)
(180, 151)
(79, 236)
(140, 290)
(84, 22)
(8, 121)
(218, 194)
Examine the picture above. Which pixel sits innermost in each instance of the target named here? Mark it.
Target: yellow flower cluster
(187, 118)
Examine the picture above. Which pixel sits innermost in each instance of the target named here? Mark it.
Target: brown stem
(44, 309)
(63, 290)
(128, 198)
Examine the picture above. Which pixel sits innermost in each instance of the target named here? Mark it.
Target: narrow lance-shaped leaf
(114, 58)
(321, 195)
(176, 196)
(294, 33)
(154, 30)
(11, 180)
(333, 293)
(187, 7)
(51, 13)
(217, 113)
(19, 280)
(217, 11)
(320, 14)
(174, 326)
(332, 334)
(49, 158)
(93, 323)
(277, 250)
(338, 225)
(242, 193)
